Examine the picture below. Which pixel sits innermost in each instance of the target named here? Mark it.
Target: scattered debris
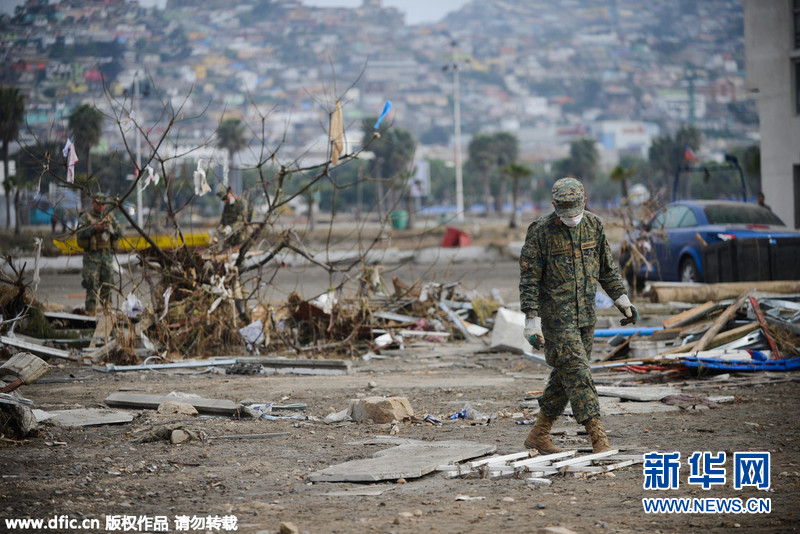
(534, 468)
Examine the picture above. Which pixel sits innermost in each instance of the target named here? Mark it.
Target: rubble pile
(751, 332)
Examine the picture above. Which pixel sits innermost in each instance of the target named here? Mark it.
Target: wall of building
(769, 41)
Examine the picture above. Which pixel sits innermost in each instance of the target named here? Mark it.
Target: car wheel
(689, 271)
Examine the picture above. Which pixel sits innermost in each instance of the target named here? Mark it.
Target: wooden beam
(720, 339)
(763, 323)
(689, 316)
(587, 458)
(152, 402)
(39, 349)
(71, 317)
(543, 460)
(720, 321)
(619, 349)
(685, 292)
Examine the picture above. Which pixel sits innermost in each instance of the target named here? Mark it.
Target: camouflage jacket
(560, 268)
(91, 239)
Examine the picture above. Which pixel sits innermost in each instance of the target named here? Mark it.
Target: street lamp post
(136, 96)
(457, 138)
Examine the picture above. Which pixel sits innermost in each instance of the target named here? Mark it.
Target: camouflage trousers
(567, 350)
(98, 276)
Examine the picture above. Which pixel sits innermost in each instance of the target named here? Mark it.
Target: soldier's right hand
(533, 332)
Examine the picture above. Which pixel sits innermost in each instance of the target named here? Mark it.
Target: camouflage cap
(101, 198)
(568, 197)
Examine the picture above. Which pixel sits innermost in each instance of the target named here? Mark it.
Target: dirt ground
(100, 471)
(92, 472)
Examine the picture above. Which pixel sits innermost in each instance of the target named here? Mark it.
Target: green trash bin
(399, 219)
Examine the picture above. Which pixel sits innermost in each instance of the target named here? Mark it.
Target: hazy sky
(417, 11)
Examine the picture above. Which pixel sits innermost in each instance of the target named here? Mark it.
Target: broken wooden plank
(152, 402)
(456, 320)
(110, 368)
(543, 460)
(720, 321)
(665, 335)
(597, 469)
(764, 328)
(38, 349)
(71, 317)
(696, 292)
(391, 316)
(620, 349)
(588, 458)
(720, 339)
(689, 316)
(500, 459)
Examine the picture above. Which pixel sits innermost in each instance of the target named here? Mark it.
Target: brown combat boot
(539, 436)
(599, 439)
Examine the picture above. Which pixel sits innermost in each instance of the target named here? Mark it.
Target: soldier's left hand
(630, 312)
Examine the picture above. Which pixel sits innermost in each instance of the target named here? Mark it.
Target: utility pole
(139, 209)
(457, 136)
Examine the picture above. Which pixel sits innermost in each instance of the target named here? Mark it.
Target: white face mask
(572, 222)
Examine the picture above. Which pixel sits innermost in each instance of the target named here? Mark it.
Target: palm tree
(230, 136)
(86, 125)
(515, 171)
(394, 150)
(482, 158)
(488, 152)
(505, 147)
(12, 112)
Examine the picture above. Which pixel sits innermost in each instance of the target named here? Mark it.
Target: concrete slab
(507, 332)
(411, 459)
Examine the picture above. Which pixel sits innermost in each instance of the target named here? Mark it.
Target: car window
(658, 221)
(674, 215)
(740, 214)
(688, 220)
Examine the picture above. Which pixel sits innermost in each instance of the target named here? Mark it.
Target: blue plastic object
(787, 364)
(611, 332)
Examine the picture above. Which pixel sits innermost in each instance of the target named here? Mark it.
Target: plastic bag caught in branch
(201, 186)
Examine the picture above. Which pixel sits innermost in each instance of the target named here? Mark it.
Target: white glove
(533, 332)
(627, 309)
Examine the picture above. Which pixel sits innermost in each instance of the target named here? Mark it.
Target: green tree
(394, 150)
(516, 172)
(506, 149)
(487, 154)
(584, 158)
(86, 125)
(666, 154)
(12, 113)
(230, 136)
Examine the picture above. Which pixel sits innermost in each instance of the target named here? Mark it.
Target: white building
(772, 56)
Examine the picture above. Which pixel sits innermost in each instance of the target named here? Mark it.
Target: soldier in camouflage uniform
(233, 223)
(98, 233)
(565, 255)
